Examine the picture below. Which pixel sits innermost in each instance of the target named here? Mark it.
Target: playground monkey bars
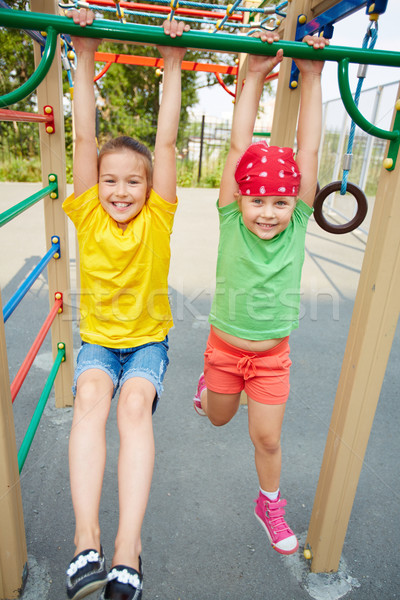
(199, 40)
(221, 42)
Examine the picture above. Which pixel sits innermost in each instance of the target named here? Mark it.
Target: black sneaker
(124, 583)
(86, 574)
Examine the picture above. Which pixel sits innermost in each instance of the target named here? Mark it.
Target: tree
(16, 59)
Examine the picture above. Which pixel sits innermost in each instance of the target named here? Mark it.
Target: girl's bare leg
(135, 467)
(219, 408)
(87, 454)
(265, 425)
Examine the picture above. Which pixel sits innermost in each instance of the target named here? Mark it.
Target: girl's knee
(91, 391)
(267, 442)
(219, 421)
(134, 405)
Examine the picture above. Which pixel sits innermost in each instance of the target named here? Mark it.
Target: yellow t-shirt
(124, 274)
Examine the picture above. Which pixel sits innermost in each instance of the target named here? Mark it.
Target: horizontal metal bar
(153, 61)
(33, 34)
(41, 405)
(14, 211)
(29, 281)
(34, 349)
(131, 7)
(24, 117)
(201, 40)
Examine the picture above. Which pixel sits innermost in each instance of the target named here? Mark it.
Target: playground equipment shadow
(200, 538)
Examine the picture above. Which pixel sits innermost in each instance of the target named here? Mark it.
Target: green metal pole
(39, 74)
(37, 415)
(352, 109)
(222, 42)
(16, 210)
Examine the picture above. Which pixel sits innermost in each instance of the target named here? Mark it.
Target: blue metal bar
(340, 11)
(229, 11)
(30, 280)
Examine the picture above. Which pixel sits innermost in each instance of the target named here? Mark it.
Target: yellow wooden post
(373, 324)
(13, 553)
(287, 100)
(242, 57)
(52, 151)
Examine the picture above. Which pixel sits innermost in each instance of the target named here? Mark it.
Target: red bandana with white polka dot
(267, 171)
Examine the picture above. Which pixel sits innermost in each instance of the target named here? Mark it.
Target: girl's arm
(85, 148)
(244, 116)
(164, 173)
(309, 123)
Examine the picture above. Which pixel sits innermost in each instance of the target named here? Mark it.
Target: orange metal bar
(147, 61)
(30, 357)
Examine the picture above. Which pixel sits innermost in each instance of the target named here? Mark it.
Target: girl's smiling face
(267, 216)
(123, 186)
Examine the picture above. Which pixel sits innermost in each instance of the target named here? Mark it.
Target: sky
(348, 32)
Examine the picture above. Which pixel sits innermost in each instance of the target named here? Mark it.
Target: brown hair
(124, 142)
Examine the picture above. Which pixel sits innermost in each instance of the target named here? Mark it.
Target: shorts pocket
(283, 361)
(209, 355)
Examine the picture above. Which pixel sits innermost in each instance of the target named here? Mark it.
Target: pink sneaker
(196, 400)
(270, 514)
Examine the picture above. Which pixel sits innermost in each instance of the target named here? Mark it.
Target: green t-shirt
(257, 294)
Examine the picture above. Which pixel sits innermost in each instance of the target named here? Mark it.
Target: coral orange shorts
(264, 376)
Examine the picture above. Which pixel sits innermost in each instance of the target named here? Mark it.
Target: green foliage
(128, 95)
(20, 169)
(186, 173)
(16, 59)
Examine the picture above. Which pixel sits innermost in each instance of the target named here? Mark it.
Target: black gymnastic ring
(362, 208)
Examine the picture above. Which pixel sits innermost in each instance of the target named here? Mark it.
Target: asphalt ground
(200, 538)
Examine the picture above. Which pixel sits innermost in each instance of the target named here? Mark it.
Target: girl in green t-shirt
(261, 252)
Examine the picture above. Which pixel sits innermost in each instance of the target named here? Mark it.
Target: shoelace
(274, 512)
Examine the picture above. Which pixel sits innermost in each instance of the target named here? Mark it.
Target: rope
(368, 42)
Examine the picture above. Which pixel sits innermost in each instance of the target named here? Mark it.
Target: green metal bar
(41, 405)
(394, 144)
(348, 101)
(223, 42)
(39, 74)
(14, 211)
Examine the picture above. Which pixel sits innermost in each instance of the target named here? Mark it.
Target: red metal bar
(148, 61)
(272, 76)
(27, 117)
(166, 10)
(30, 357)
(103, 71)
(221, 82)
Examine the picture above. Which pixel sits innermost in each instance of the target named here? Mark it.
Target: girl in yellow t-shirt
(123, 210)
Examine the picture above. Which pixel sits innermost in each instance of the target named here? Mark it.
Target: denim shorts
(149, 361)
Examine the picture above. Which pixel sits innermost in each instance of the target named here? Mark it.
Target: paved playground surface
(200, 538)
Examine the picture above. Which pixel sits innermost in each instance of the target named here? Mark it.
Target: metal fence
(205, 141)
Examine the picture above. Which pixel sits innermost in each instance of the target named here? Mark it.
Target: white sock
(270, 495)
